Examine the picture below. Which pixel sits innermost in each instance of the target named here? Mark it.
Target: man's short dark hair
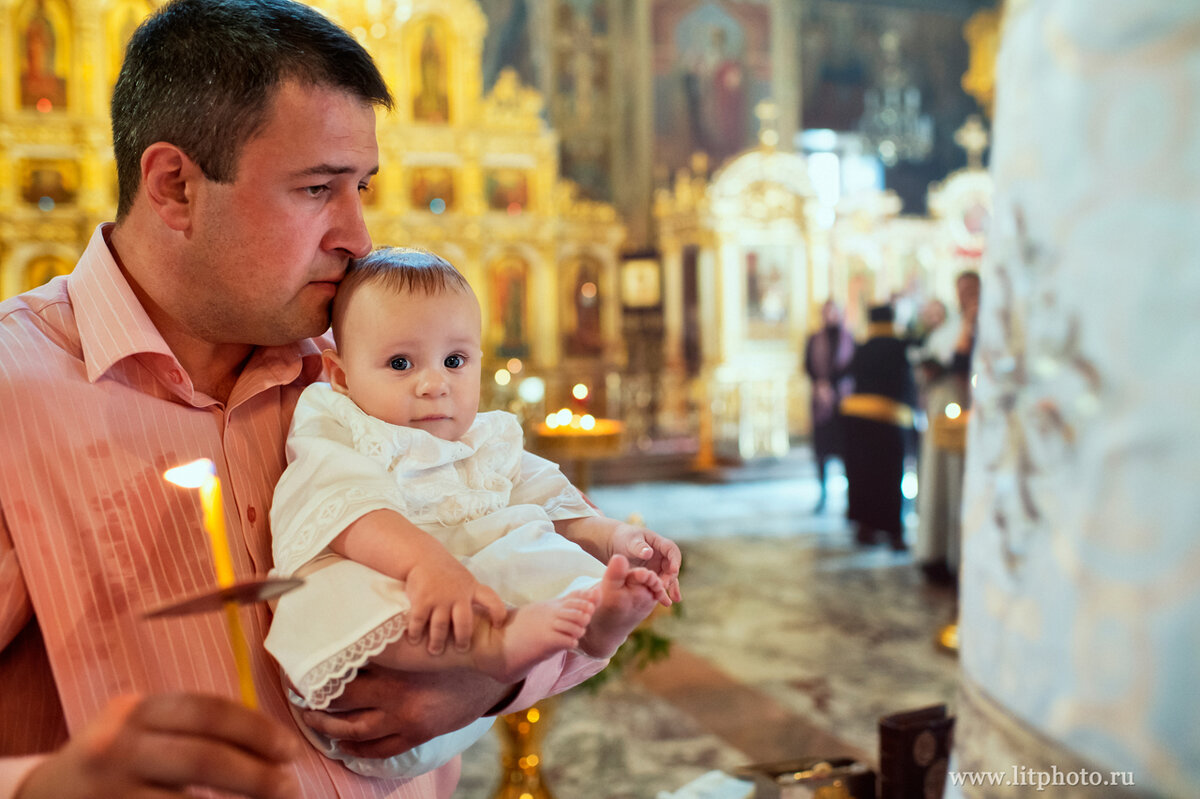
(201, 74)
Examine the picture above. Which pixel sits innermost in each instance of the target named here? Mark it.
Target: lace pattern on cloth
(445, 482)
(327, 680)
(292, 551)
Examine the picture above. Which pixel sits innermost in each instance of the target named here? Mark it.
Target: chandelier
(892, 123)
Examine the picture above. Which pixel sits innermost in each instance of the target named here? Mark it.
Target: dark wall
(841, 58)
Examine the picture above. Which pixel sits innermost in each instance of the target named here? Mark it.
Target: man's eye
(316, 191)
(399, 364)
(455, 361)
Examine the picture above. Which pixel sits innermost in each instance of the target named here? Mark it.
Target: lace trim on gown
(327, 680)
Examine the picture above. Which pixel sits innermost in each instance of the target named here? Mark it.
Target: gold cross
(972, 137)
(768, 114)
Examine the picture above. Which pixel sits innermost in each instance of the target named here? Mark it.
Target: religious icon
(507, 44)
(712, 65)
(715, 88)
(586, 163)
(43, 60)
(509, 287)
(507, 189)
(48, 182)
(584, 337)
(432, 189)
(768, 289)
(123, 20)
(431, 103)
(43, 268)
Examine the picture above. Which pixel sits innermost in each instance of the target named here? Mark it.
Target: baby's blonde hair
(398, 269)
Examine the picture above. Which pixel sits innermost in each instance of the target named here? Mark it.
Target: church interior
(654, 199)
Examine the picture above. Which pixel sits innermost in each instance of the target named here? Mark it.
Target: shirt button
(176, 376)
(251, 514)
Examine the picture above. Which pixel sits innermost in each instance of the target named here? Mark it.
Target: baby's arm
(442, 592)
(602, 537)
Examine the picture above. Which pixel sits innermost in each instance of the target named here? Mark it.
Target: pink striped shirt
(93, 408)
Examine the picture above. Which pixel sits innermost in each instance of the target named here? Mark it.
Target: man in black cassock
(827, 356)
(878, 420)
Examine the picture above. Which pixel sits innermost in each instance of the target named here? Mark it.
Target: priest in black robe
(878, 421)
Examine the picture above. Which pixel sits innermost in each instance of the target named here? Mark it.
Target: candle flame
(191, 475)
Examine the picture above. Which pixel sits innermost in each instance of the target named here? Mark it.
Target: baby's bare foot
(624, 596)
(533, 633)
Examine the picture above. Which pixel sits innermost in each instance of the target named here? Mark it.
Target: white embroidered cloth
(487, 500)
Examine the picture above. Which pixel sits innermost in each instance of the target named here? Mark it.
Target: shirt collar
(114, 326)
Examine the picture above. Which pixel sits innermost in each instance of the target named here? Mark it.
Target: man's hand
(647, 548)
(157, 746)
(385, 712)
(444, 596)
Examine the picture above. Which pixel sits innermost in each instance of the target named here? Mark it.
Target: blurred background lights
(532, 389)
(514, 365)
(503, 377)
(437, 205)
(953, 410)
(580, 391)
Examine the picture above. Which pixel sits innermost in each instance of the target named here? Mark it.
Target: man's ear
(333, 368)
(169, 178)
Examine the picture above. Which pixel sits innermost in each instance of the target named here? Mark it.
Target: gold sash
(878, 408)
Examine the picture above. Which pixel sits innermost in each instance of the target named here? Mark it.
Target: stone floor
(791, 642)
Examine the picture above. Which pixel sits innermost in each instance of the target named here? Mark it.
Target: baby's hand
(444, 596)
(657, 553)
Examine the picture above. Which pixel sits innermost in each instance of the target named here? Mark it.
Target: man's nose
(349, 229)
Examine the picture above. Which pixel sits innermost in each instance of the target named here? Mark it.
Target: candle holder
(521, 759)
(247, 592)
(566, 436)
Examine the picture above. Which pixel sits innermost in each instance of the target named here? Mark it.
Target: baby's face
(413, 359)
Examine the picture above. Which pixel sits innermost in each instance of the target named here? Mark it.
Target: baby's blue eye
(454, 361)
(399, 364)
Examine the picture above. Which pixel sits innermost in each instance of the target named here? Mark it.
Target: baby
(418, 521)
